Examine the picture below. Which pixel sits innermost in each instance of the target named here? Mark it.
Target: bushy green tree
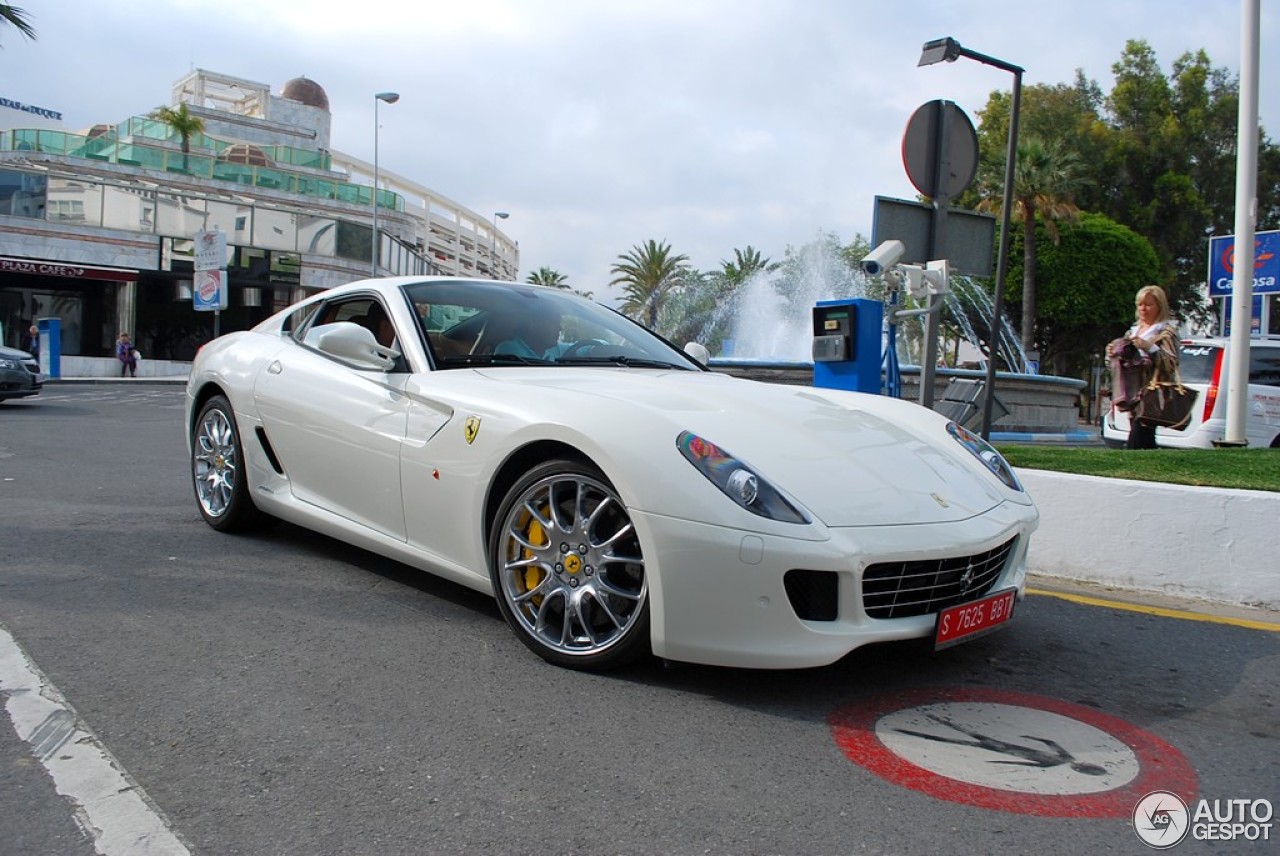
(1159, 152)
(1087, 282)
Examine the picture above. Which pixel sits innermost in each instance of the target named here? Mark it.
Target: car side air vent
(266, 448)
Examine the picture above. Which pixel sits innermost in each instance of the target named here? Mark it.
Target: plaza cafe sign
(1266, 264)
(11, 265)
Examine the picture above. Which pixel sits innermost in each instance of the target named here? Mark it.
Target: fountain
(771, 333)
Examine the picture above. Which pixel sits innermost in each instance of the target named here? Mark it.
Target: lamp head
(501, 215)
(939, 50)
(389, 97)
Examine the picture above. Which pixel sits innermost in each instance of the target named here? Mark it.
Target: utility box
(846, 344)
(50, 331)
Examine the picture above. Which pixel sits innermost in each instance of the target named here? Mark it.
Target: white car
(1203, 367)
(615, 496)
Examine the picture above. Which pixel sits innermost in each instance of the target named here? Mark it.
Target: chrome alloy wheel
(570, 570)
(215, 462)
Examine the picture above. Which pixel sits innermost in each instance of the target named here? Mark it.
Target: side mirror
(352, 343)
(698, 351)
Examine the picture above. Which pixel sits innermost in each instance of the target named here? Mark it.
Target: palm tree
(18, 18)
(549, 277)
(181, 122)
(647, 274)
(746, 264)
(1046, 177)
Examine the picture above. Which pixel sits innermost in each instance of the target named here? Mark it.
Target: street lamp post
(493, 242)
(948, 50)
(390, 98)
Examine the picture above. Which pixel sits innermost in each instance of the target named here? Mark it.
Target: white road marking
(110, 807)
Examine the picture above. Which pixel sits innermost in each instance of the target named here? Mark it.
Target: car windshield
(469, 323)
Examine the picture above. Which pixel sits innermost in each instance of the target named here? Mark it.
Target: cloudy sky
(600, 124)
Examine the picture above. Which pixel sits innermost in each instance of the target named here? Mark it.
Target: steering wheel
(580, 346)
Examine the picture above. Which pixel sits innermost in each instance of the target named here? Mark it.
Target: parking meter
(846, 344)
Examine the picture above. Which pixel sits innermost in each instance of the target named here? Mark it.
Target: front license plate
(966, 621)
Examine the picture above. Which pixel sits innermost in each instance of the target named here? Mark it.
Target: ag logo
(1161, 819)
(470, 429)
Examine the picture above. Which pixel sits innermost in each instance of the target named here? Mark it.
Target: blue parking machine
(846, 344)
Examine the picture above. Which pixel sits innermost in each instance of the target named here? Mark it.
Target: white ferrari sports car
(617, 498)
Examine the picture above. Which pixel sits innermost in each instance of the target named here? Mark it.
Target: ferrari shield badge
(470, 429)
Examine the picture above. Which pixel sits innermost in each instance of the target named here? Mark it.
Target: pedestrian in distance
(1148, 350)
(31, 344)
(127, 355)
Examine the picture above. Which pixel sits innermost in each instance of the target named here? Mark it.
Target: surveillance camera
(883, 257)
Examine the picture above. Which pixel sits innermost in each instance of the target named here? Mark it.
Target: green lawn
(1252, 469)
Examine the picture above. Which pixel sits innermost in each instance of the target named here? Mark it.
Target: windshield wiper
(623, 360)
(491, 360)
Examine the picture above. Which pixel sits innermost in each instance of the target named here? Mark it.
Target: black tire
(218, 470)
(567, 568)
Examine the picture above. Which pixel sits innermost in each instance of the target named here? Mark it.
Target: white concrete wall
(1206, 543)
(82, 367)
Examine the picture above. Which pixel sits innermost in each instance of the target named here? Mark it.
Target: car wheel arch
(519, 462)
(201, 398)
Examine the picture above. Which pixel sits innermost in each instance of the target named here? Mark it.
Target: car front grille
(921, 587)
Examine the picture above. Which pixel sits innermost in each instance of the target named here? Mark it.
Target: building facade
(98, 228)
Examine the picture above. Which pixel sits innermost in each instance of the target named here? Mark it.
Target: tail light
(1211, 394)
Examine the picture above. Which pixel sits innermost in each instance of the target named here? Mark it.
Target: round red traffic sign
(1010, 751)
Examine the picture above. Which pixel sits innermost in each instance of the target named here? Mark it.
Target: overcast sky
(600, 124)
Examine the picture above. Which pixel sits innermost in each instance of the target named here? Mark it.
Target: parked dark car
(19, 374)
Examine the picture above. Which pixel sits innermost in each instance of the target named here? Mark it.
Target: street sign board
(940, 150)
(1266, 263)
(968, 243)
(209, 291)
(211, 249)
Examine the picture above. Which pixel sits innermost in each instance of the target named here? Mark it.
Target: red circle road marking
(1162, 767)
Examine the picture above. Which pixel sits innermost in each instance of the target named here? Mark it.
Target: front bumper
(18, 383)
(717, 596)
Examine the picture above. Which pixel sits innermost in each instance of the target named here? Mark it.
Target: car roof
(1224, 341)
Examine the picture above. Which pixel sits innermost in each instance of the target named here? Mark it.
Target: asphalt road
(286, 694)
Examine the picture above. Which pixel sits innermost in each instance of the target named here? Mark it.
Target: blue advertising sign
(1266, 263)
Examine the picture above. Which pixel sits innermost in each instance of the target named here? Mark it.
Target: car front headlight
(738, 481)
(985, 452)
(8, 364)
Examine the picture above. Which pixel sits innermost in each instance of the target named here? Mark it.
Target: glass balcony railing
(86, 201)
(109, 147)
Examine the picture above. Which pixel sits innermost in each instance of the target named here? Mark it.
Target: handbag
(1165, 404)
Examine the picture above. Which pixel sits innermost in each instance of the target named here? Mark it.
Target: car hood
(851, 459)
(14, 354)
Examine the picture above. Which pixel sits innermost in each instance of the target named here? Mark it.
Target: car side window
(1264, 367)
(365, 311)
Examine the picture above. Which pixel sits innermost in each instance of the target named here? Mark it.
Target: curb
(1074, 437)
(152, 381)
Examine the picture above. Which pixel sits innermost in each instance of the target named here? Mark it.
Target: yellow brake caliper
(533, 575)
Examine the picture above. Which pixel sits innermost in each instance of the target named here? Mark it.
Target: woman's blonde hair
(1157, 294)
